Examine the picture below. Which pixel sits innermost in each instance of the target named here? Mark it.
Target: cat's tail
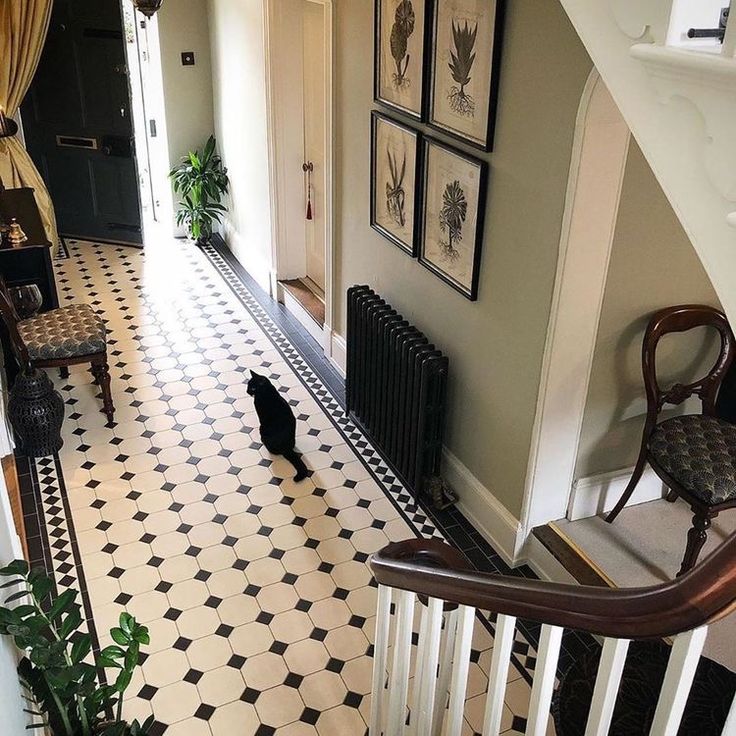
(296, 460)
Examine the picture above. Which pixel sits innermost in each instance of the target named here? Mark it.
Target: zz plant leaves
(62, 687)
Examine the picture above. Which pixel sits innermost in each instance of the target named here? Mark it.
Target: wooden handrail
(705, 594)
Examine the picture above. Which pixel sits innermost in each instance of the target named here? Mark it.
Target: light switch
(187, 58)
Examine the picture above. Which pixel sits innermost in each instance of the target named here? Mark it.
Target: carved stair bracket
(642, 21)
(706, 82)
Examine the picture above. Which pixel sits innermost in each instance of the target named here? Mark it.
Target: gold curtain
(23, 28)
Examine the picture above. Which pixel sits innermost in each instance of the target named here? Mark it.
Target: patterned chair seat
(68, 332)
(699, 452)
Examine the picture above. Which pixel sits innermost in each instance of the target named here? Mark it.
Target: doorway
(300, 97)
(78, 123)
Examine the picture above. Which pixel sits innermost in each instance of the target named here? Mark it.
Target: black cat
(278, 424)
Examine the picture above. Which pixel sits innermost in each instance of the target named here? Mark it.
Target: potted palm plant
(62, 685)
(201, 180)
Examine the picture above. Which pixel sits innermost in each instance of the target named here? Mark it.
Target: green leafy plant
(453, 213)
(462, 58)
(201, 180)
(403, 27)
(63, 687)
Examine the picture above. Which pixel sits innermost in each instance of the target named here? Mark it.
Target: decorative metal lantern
(148, 7)
(36, 413)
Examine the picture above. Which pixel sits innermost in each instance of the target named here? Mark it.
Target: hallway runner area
(256, 589)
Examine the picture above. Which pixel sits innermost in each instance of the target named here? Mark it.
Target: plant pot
(203, 240)
(36, 413)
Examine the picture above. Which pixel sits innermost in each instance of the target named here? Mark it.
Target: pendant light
(148, 7)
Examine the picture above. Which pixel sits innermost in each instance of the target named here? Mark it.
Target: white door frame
(278, 149)
(596, 176)
(143, 57)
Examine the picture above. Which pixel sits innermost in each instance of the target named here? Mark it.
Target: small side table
(29, 263)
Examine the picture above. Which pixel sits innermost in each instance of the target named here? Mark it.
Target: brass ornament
(16, 236)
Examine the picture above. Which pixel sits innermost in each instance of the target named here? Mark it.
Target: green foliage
(201, 180)
(61, 684)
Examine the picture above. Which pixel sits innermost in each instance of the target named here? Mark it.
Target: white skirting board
(598, 494)
(255, 263)
(338, 353)
(300, 314)
(483, 510)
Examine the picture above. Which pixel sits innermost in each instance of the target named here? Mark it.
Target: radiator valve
(441, 496)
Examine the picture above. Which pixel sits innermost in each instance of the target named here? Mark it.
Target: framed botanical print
(399, 57)
(394, 173)
(463, 89)
(453, 192)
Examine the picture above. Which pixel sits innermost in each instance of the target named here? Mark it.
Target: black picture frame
(469, 291)
(485, 144)
(409, 248)
(421, 31)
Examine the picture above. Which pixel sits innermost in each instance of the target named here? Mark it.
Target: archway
(596, 176)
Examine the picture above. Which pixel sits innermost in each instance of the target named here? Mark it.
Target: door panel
(81, 91)
(314, 135)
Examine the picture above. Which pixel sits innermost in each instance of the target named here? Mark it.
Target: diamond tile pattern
(256, 589)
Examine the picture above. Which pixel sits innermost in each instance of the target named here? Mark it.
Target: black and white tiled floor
(256, 589)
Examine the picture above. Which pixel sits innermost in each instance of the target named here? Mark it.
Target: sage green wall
(653, 265)
(495, 345)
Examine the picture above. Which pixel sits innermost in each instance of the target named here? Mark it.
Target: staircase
(425, 587)
(678, 96)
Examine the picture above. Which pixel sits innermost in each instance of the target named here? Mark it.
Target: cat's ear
(253, 374)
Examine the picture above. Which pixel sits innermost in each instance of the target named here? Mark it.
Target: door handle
(116, 145)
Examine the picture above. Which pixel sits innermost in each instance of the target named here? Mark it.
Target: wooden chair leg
(671, 496)
(64, 372)
(641, 464)
(101, 372)
(696, 538)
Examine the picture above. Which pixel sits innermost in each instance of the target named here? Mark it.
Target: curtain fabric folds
(23, 28)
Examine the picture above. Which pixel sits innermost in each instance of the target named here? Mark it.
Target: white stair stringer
(680, 104)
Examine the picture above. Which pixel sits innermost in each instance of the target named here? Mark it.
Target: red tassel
(309, 209)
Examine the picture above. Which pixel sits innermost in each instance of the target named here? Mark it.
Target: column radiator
(396, 386)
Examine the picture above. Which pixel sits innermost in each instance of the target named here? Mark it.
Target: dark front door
(78, 126)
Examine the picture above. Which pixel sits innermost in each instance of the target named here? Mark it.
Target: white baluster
(607, 683)
(424, 707)
(503, 642)
(730, 728)
(419, 671)
(399, 686)
(544, 680)
(380, 654)
(443, 681)
(681, 668)
(460, 668)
